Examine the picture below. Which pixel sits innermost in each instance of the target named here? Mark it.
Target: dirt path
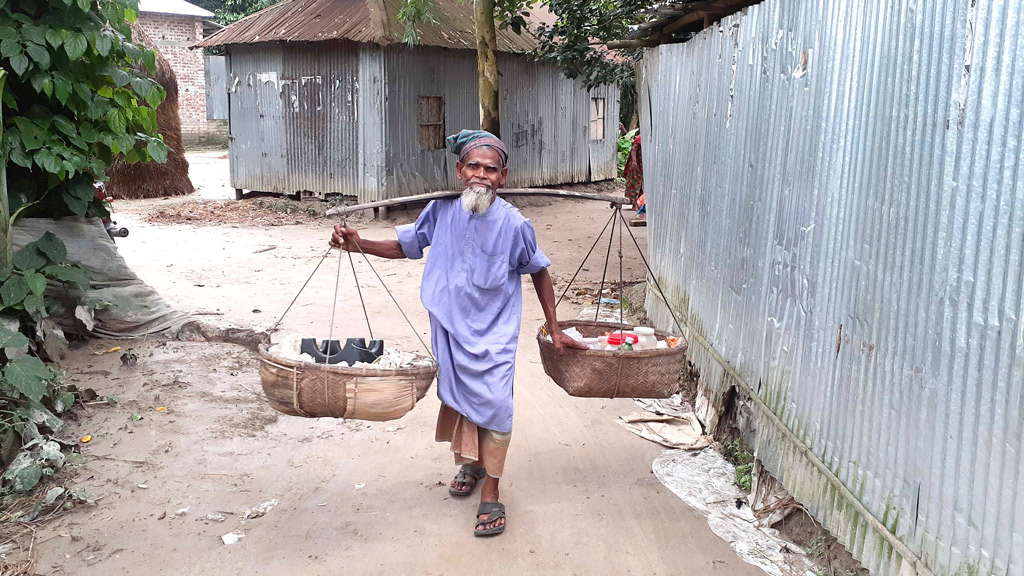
(353, 498)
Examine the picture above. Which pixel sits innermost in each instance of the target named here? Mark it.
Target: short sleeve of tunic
(415, 237)
(527, 256)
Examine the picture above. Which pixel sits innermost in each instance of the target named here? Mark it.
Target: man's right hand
(345, 238)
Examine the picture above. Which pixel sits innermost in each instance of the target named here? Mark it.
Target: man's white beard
(477, 199)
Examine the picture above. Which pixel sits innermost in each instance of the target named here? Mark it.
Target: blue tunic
(473, 292)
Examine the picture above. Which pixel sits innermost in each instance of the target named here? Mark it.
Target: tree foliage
(72, 101)
(575, 42)
(508, 14)
(32, 394)
(228, 11)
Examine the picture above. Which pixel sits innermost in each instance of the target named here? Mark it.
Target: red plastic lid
(617, 338)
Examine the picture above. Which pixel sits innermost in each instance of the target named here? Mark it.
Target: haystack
(149, 179)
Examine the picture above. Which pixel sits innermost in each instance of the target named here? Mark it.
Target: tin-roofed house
(325, 98)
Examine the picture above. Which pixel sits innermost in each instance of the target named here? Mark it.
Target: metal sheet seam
(766, 412)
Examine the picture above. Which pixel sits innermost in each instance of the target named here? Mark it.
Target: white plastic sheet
(704, 480)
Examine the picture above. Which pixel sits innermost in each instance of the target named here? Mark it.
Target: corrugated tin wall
(319, 117)
(545, 120)
(431, 72)
(216, 87)
(293, 118)
(836, 200)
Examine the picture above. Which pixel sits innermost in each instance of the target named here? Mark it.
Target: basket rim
(267, 356)
(659, 352)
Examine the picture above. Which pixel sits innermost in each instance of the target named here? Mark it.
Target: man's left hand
(561, 342)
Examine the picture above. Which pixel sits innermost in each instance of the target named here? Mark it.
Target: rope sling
(616, 220)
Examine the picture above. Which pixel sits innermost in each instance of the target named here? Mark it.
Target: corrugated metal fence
(836, 197)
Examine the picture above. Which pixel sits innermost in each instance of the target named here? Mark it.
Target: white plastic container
(648, 341)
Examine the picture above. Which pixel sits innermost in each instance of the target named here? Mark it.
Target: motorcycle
(113, 230)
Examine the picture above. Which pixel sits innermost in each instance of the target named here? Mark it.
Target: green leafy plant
(228, 11)
(737, 453)
(625, 144)
(73, 101)
(575, 40)
(31, 393)
(72, 98)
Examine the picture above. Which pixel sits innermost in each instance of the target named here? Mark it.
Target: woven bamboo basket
(611, 373)
(338, 391)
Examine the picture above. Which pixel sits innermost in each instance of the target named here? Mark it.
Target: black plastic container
(331, 352)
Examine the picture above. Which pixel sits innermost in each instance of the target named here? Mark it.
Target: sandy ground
(353, 497)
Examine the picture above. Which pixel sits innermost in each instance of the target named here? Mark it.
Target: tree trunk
(7, 247)
(487, 66)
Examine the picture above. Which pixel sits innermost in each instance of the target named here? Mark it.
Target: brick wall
(173, 35)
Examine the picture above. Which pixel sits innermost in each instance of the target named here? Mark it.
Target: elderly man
(480, 245)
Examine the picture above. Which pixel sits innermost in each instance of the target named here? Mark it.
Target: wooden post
(487, 66)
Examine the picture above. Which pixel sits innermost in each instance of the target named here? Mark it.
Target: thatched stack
(152, 180)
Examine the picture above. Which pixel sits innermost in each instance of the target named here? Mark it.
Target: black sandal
(465, 473)
(495, 511)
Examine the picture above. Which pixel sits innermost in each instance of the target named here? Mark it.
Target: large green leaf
(103, 43)
(33, 34)
(120, 77)
(61, 87)
(20, 157)
(31, 134)
(29, 375)
(53, 37)
(35, 305)
(14, 290)
(11, 339)
(126, 142)
(142, 87)
(76, 205)
(68, 274)
(47, 160)
(89, 132)
(10, 47)
(83, 90)
(75, 45)
(38, 53)
(24, 473)
(116, 121)
(19, 63)
(64, 125)
(124, 99)
(149, 57)
(157, 151)
(36, 283)
(29, 258)
(49, 244)
(156, 96)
